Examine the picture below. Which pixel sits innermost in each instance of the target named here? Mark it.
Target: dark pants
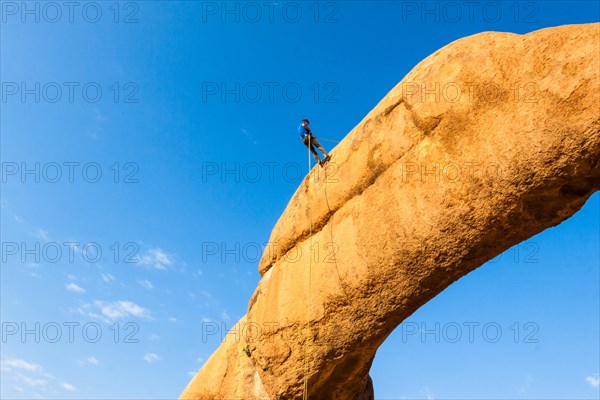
(314, 142)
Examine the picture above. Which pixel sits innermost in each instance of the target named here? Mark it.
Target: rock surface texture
(485, 143)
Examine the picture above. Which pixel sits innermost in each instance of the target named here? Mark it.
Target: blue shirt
(302, 131)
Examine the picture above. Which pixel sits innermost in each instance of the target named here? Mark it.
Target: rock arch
(485, 143)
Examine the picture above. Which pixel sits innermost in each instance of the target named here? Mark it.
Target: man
(311, 141)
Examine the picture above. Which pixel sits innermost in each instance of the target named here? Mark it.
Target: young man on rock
(311, 141)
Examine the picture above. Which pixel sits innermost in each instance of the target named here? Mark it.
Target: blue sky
(160, 139)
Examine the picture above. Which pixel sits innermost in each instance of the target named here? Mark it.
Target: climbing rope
(328, 140)
(307, 340)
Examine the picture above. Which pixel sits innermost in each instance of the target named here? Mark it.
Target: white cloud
(72, 277)
(110, 311)
(73, 287)
(68, 386)
(526, 385)
(156, 258)
(197, 273)
(42, 234)
(151, 357)
(33, 375)
(100, 117)
(93, 360)
(426, 392)
(8, 365)
(192, 373)
(593, 380)
(122, 309)
(32, 381)
(107, 278)
(245, 132)
(206, 294)
(172, 319)
(146, 283)
(18, 219)
(225, 317)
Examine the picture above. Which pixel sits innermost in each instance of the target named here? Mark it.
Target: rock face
(485, 143)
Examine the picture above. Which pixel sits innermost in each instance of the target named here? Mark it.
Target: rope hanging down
(307, 341)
